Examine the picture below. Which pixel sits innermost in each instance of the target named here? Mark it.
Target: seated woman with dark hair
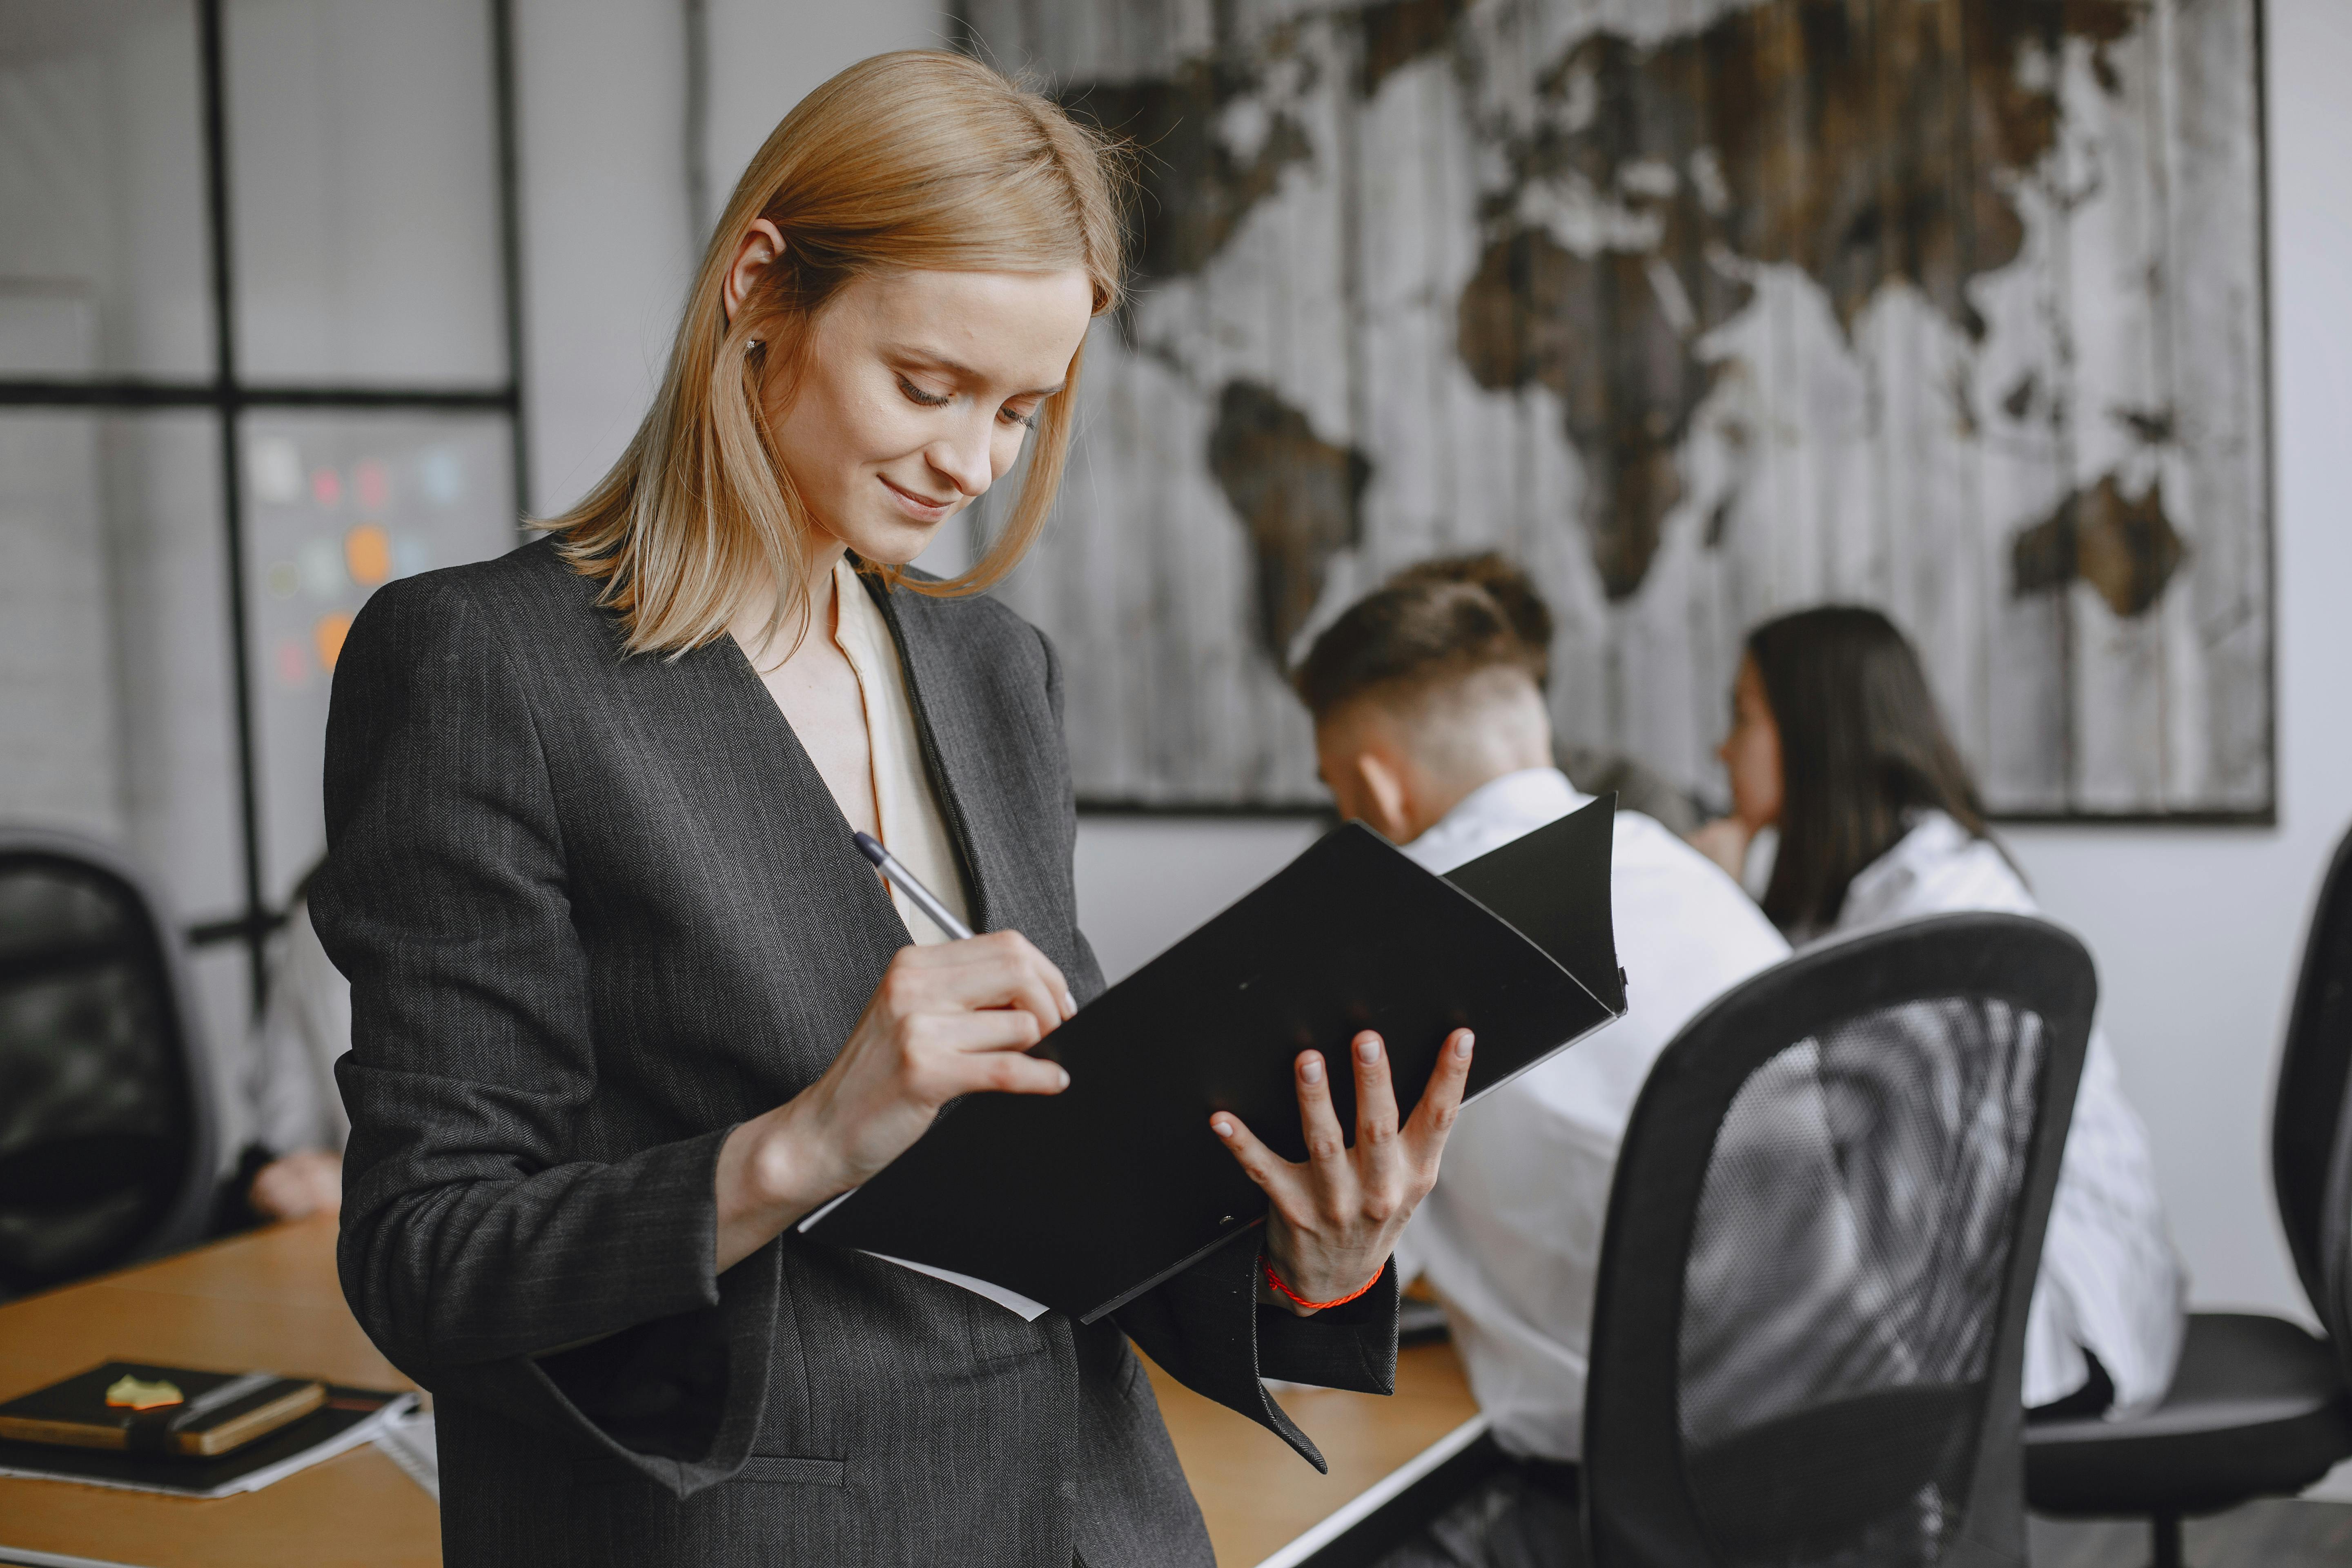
(1836, 741)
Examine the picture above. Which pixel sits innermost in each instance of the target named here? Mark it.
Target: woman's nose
(963, 462)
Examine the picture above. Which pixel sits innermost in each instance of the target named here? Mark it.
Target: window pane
(337, 505)
(102, 239)
(115, 713)
(364, 179)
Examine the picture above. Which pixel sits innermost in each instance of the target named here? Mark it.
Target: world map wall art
(1703, 311)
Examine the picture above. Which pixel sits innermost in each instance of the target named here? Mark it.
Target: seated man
(1595, 770)
(1429, 727)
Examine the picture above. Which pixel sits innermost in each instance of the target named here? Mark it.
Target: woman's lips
(922, 507)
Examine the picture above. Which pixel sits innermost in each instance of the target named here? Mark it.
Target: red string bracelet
(1276, 1281)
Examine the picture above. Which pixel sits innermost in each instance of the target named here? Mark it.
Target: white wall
(600, 113)
(609, 245)
(1144, 881)
(765, 56)
(2197, 931)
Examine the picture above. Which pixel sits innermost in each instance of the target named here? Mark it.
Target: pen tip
(867, 846)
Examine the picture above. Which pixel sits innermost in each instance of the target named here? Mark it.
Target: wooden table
(270, 1299)
(1260, 1497)
(267, 1299)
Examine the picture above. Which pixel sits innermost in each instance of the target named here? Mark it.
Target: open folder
(1083, 1200)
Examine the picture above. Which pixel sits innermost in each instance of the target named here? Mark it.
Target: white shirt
(290, 1073)
(1510, 1237)
(905, 810)
(2109, 1280)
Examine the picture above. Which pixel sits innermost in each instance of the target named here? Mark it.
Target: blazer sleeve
(472, 1244)
(1204, 1326)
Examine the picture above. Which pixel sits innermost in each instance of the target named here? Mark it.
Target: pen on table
(904, 881)
(212, 1399)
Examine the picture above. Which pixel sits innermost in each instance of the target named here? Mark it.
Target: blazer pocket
(998, 1333)
(792, 1470)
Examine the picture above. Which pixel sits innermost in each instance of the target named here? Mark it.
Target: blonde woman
(626, 1002)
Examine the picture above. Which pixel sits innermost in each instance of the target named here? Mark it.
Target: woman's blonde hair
(920, 160)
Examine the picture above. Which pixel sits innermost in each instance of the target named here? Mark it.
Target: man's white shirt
(1511, 1235)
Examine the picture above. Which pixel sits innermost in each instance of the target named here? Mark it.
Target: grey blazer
(595, 912)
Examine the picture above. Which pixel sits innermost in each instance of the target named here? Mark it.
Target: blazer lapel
(951, 738)
(736, 759)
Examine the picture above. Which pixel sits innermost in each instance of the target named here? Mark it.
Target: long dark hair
(1861, 748)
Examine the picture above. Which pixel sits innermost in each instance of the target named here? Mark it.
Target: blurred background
(297, 297)
(287, 311)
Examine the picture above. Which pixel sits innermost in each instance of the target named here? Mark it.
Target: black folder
(1085, 1199)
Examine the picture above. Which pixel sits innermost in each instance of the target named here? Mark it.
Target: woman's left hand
(1335, 1219)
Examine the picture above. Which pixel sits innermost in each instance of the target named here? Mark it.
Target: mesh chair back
(2311, 1136)
(107, 1139)
(1809, 1331)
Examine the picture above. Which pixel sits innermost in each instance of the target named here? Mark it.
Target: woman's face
(917, 393)
(1751, 752)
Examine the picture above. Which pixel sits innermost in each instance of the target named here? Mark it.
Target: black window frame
(228, 395)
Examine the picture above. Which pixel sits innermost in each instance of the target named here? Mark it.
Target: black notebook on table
(141, 1408)
(347, 1418)
(1085, 1199)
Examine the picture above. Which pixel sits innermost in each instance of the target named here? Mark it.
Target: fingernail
(1065, 1076)
(1223, 1128)
(1069, 1004)
(1312, 1069)
(1368, 1049)
(1462, 1047)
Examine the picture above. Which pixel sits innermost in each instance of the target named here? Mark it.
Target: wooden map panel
(1704, 310)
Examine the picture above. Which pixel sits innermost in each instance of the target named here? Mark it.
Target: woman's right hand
(950, 1019)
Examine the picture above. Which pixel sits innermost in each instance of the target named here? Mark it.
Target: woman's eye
(928, 399)
(1011, 415)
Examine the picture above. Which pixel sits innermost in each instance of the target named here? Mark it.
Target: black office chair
(1808, 1330)
(106, 1132)
(2257, 1407)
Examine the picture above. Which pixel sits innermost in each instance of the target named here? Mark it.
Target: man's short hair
(1505, 583)
(1409, 635)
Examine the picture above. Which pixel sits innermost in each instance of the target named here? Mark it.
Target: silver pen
(212, 1399)
(904, 881)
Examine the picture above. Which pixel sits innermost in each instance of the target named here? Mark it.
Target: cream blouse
(905, 809)
(909, 816)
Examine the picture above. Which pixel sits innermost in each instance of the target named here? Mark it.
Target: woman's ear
(759, 249)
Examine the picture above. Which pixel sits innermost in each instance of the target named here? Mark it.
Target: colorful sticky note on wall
(411, 553)
(329, 634)
(367, 551)
(443, 472)
(277, 468)
(293, 664)
(371, 485)
(323, 573)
